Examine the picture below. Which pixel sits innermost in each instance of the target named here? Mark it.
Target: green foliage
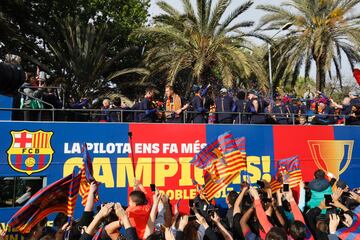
(42, 33)
(322, 33)
(199, 42)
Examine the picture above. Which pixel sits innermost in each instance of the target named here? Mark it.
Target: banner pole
(130, 134)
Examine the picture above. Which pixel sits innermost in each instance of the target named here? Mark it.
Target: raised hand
(168, 234)
(334, 222)
(119, 211)
(184, 220)
(337, 194)
(93, 186)
(216, 218)
(106, 210)
(254, 193)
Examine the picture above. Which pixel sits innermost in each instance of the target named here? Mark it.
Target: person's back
(224, 107)
(319, 187)
(198, 106)
(281, 113)
(139, 211)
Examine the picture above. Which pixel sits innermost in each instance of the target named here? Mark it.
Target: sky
(251, 14)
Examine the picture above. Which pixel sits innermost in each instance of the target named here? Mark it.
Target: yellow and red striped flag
(86, 177)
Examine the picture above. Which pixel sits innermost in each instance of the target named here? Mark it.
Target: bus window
(7, 191)
(18, 190)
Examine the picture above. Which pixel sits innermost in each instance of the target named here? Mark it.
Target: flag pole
(130, 134)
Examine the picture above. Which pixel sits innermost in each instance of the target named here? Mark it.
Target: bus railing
(125, 115)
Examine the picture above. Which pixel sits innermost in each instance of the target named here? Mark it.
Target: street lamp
(283, 28)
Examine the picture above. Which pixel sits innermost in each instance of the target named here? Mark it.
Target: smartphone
(328, 200)
(346, 194)
(205, 207)
(153, 188)
(192, 218)
(261, 184)
(191, 205)
(286, 187)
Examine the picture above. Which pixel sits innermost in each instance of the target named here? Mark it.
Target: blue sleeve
(233, 108)
(204, 92)
(197, 106)
(79, 105)
(149, 112)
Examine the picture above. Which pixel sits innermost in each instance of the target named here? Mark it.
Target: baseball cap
(223, 90)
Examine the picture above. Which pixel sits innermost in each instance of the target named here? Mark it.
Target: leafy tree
(42, 33)
(323, 32)
(198, 43)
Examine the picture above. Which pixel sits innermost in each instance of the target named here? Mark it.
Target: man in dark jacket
(224, 106)
(240, 107)
(256, 106)
(198, 106)
(146, 107)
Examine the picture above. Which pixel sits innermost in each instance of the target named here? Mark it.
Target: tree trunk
(320, 74)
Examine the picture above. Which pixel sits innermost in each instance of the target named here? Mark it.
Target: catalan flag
(290, 170)
(212, 187)
(352, 232)
(73, 195)
(275, 184)
(225, 156)
(86, 176)
(53, 198)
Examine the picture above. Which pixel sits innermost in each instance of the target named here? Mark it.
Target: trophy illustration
(330, 154)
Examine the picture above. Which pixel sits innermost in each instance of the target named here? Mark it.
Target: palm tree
(323, 32)
(198, 42)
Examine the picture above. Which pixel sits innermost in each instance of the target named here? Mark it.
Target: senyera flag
(288, 171)
(289, 168)
(222, 161)
(225, 156)
(86, 177)
(53, 198)
(212, 187)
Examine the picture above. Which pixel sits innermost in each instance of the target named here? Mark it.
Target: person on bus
(148, 112)
(173, 106)
(31, 89)
(256, 106)
(198, 106)
(240, 107)
(24, 197)
(224, 107)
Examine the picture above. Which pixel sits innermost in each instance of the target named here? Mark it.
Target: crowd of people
(323, 208)
(206, 105)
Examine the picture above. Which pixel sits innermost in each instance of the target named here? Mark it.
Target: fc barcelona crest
(30, 152)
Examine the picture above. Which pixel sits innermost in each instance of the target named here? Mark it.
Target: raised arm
(239, 200)
(294, 207)
(104, 212)
(244, 220)
(89, 207)
(217, 220)
(150, 226)
(123, 217)
(260, 213)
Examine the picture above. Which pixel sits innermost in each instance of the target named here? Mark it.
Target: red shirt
(138, 217)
